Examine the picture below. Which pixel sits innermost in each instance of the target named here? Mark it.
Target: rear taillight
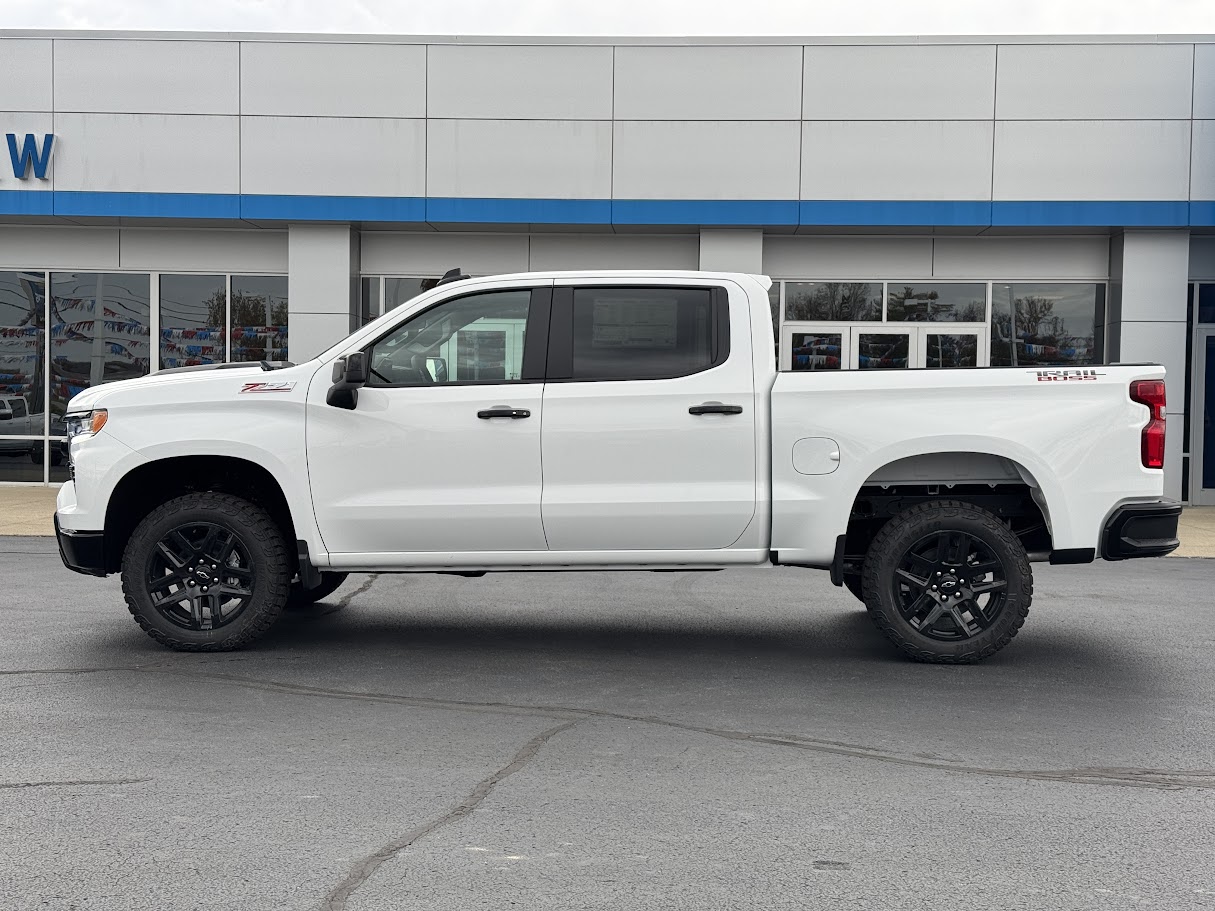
(1151, 393)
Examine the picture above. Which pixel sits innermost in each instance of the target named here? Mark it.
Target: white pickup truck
(607, 420)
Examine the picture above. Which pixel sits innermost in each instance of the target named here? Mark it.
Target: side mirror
(349, 373)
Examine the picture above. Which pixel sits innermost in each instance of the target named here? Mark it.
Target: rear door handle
(715, 408)
(503, 411)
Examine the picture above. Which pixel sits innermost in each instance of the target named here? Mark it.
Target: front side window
(643, 333)
(18, 408)
(1047, 324)
(473, 339)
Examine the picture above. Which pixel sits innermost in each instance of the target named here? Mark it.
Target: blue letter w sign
(29, 155)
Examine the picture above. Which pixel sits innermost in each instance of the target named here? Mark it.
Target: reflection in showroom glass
(817, 351)
(937, 302)
(1047, 324)
(808, 301)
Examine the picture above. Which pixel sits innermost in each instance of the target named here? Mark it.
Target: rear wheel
(947, 582)
(302, 597)
(206, 572)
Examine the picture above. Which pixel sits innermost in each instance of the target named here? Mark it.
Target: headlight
(84, 422)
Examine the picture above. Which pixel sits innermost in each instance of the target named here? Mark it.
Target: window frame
(535, 344)
(560, 363)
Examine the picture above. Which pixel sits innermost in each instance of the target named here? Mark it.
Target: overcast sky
(624, 17)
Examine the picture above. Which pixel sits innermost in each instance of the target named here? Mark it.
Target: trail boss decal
(1066, 376)
(267, 387)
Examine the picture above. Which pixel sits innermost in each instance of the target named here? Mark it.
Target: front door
(442, 451)
(1202, 420)
(649, 419)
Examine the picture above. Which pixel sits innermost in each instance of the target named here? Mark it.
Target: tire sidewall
(903, 532)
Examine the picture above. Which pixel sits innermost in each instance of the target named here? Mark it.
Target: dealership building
(169, 199)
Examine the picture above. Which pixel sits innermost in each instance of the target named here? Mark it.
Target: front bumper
(1141, 530)
(82, 551)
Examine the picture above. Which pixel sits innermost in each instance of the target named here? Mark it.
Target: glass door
(948, 347)
(1202, 420)
(882, 348)
(807, 347)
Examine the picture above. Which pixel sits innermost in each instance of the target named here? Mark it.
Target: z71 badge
(1066, 376)
(268, 387)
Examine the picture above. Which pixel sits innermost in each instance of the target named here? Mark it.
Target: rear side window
(647, 333)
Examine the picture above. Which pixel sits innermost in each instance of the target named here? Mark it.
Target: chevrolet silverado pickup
(607, 420)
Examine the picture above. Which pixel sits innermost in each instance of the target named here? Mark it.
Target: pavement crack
(13, 785)
(345, 600)
(365, 868)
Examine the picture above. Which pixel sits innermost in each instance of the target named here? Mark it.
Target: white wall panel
(1204, 81)
(526, 82)
(614, 251)
(1094, 81)
(154, 153)
(21, 123)
(901, 82)
(1202, 161)
(25, 74)
(732, 251)
(321, 259)
(1155, 268)
(708, 83)
(705, 160)
(1157, 343)
(998, 258)
(556, 159)
(392, 253)
(1092, 160)
(51, 246)
(1202, 258)
(316, 79)
(855, 258)
(185, 250)
(146, 77)
(924, 160)
(312, 333)
(349, 156)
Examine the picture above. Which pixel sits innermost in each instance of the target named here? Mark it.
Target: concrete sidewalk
(28, 511)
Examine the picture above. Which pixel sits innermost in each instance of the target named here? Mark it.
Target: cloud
(625, 17)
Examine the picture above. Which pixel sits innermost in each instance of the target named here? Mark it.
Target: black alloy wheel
(950, 586)
(200, 576)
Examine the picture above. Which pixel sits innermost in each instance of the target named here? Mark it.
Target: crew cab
(607, 420)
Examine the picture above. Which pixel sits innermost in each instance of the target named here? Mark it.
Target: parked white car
(592, 420)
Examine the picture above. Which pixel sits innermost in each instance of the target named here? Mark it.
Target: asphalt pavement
(609, 741)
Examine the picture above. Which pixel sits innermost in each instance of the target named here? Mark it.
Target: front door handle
(504, 411)
(715, 408)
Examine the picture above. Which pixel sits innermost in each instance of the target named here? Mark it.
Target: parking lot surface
(608, 740)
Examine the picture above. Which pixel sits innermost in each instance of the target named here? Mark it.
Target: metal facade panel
(146, 153)
(1202, 161)
(524, 82)
(1154, 275)
(52, 246)
(1092, 160)
(1202, 258)
(614, 251)
(848, 258)
(1021, 258)
(188, 250)
(25, 74)
(708, 83)
(899, 82)
(333, 79)
(1094, 81)
(147, 77)
(394, 253)
(326, 156)
(1204, 81)
(928, 160)
(705, 160)
(513, 159)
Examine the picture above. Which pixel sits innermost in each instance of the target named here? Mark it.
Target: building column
(322, 286)
(1149, 271)
(731, 251)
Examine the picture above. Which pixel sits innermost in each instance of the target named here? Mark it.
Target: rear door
(649, 418)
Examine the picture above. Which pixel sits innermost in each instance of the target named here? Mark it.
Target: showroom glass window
(1047, 324)
(821, 301)
(259, 318)
(100, 333)
(193, 314)
(936, 302)
(22, 374)
(643, 333)
(398, 291)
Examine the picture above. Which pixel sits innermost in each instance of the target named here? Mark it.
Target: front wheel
(947, 582)
(206, 572)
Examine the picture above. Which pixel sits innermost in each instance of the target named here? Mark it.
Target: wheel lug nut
(934, 588)
(204, 588)
(191, 583)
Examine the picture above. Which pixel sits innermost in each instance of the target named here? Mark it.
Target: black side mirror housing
(349, 374)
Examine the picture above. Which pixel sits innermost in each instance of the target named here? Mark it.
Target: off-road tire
(257, 533)
(301, 597)
(900, 534)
